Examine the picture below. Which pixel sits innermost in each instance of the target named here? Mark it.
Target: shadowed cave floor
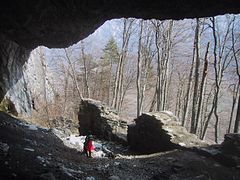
(39, 154)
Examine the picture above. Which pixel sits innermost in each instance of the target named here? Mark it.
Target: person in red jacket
(88, 146)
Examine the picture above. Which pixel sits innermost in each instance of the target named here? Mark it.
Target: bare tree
(235, 52)
(118, 85)
(206, 116)
(234, 91)
(145, 57)
(148, 56)
(85, 72)
(237, 121)
(66, 86)
(202, 85)
(180, 92)
(163, 43)
(222, 60)
(189, 84)
(193, 128)
(74, 74)
(139, 69)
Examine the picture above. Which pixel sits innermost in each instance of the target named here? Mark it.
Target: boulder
(101, 121)
(230, 150)
(159, 131)
(231, 144)
(227, 153)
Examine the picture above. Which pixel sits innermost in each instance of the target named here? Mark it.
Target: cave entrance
(90, 69)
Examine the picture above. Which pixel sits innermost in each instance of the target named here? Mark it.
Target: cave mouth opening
(57, 76)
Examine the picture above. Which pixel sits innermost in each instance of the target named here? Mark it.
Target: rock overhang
(26, 24)
(62, 23)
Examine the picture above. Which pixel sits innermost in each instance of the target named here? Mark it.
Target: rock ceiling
(60, 23)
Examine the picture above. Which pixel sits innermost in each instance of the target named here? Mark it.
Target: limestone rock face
(23, 76)
(13, 81)
(101, 121)
(38, 77)
(159, 131)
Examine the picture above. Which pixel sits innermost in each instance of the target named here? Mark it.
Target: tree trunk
(187, 96)
(139, 70)
(158, 87)
(85, 73)
(116, 84)
(234, 99)
(179, 96)
(151, 109)
(208, 119)
(237, 121)
(66, 78)
(148, 57)
(217, 87)
(193, 128)
(202, 85)
(74, 75)
(166, 79)
(163, 43)
(125, 84)
(118, 95)
(221, 62)
(110, 83)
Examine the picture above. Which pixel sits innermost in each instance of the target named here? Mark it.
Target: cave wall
(13, 83)
(24, 76)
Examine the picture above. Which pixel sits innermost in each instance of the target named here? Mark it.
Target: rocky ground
(30, 152)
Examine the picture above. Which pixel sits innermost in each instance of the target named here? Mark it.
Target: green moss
(7, 106)
(4, 105)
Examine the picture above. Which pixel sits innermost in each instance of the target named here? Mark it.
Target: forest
(189, 67)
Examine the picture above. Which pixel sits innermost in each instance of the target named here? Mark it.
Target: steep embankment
(31, 152)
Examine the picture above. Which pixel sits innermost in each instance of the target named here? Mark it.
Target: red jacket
(90, 146)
